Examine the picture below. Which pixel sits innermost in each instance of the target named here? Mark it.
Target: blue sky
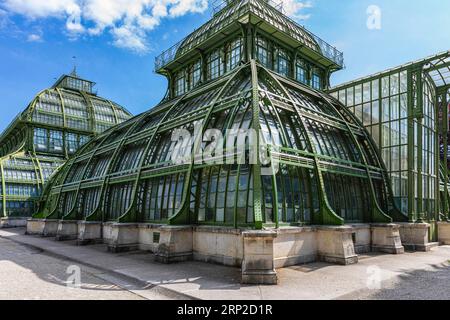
(116, 41)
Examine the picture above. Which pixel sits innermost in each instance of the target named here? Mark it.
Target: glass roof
(262, 9)
(63, 108)
(436, 66)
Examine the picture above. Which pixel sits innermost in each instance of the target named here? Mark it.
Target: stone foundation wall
(258, 253)
(13, 222)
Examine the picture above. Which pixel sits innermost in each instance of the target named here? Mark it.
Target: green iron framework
(249, 67)
(53, 127)
(406, 111)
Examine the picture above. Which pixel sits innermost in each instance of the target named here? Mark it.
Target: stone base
(89, 233)
(121, 237)
(444, 233)
(421, 247)
(335, 245)
(258, 253)
(67, 230)
(42, 227)
(415, 236)
(294, 246)
(258, 264)
(218, 245)
(119, 248)
(174, 245)
(13, 222)
(260, 277)
(168, 243)
(386, 238)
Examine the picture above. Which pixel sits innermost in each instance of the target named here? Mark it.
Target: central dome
(327, 170)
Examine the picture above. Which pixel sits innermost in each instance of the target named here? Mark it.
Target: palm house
(39, 140)
(317, 189)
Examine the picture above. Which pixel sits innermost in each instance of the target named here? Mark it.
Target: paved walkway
(199, 280)
(27, 273)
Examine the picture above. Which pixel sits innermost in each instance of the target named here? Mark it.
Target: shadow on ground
(430, 284)
(53, 268)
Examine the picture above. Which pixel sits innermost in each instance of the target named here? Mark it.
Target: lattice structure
(53, 127)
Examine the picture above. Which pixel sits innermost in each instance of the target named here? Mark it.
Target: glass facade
(398, 108)
(228, 56)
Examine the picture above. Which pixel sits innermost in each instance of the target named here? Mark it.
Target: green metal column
(64, 132)
(445, 105)
(411, 182)
(2, 176)
(90, 109)
(419, 116)
(257, 185)
(442, 105)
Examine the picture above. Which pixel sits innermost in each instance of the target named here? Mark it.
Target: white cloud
(34, 37)
(295, 8)
(129, 38)
(43, 8)
(128, 21)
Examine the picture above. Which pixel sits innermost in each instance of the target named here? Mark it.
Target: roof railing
(218, 5)
(327, 50)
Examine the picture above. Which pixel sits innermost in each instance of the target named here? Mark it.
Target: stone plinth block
(258, 262)
(220, 245)
(67, 230)
(89, 232)
(444, 233)
(13, 222)
(42, 227)
(386, 238)
(121, 237)
(415, 236)
(294, 246)
(335, 245)
(175, 244)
